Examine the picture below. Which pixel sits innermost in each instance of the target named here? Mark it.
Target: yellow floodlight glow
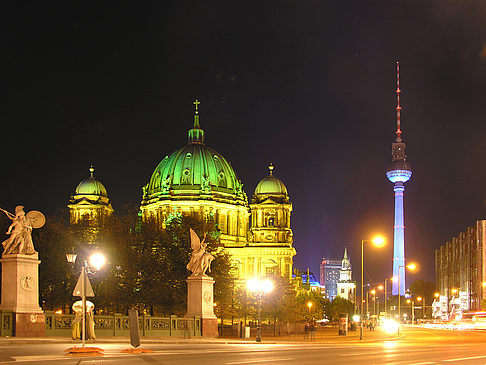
(309, 304)
(255, 285)
(412, 266)
(373, 291)
(379, 240)
(419, 298)
(97, 260)
(380, 287)
(436, 295)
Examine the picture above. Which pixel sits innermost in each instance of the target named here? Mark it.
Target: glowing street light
(309, 304)
(97, 260)
(259, 287)
(411, 267)
(378, 241)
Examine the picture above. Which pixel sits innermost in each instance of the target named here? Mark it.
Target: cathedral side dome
(89, 201)
(270, 186)
(90, 189)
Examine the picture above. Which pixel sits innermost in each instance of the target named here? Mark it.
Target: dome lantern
(196, 134)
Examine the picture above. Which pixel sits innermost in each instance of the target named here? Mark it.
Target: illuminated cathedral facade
(196, 180)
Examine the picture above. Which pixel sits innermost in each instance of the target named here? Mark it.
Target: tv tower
(399, 172)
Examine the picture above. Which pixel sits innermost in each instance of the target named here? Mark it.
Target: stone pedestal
(20, 294)
(200, 303)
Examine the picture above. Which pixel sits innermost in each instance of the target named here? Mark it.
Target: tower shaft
(399, 242)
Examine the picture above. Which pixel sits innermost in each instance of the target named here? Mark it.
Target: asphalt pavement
(414, 346)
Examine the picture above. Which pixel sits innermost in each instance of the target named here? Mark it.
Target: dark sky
(307, 85)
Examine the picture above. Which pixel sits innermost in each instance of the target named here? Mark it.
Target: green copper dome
(91, 186)
(194, 172)
(271, 186)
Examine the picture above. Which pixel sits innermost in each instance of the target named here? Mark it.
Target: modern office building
(335, 276)
(461, 270)
(329, 276)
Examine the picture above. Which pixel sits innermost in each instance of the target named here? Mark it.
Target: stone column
(200, 303)
(20, 294)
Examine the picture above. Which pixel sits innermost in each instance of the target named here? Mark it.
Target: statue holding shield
(20, 231)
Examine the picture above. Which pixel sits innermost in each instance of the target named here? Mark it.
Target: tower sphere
(399, 171)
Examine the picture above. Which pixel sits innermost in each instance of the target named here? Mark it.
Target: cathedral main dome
(194, 172)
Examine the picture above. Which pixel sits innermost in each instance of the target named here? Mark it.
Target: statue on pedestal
(20, 231)
(200, 259)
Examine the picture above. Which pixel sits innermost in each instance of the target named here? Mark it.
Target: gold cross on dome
(196, 103)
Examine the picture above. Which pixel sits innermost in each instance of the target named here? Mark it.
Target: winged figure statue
(200, 259)
(20, 231)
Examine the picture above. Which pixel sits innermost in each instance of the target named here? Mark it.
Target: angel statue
(20, 231)
(200, 259)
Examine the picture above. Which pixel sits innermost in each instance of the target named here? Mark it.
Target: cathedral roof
(90, 189)
(271, 186)
(194, 172)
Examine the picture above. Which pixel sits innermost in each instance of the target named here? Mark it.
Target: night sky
(307, 85)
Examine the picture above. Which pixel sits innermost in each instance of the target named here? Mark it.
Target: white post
(83, 298)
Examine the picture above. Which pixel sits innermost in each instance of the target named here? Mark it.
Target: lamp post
(379, 287)
(410, 267)
(412, 309)
(420, 299)
(378, 241)
(97, 260)
(260, 287)
(385, 295)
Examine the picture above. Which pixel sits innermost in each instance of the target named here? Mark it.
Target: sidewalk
(323, 335)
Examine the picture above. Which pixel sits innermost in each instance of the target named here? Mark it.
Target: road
(417, 346)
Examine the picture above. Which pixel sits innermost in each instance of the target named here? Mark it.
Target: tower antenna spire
(399, 131)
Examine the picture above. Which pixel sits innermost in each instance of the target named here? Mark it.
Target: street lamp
(378, 241)
(420, 299)
(260, 287)
(385, 293)
(411, 267)
(412, 311)
(309, 305)
(97, 260)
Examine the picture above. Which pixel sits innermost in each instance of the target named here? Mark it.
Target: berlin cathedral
(197, 180)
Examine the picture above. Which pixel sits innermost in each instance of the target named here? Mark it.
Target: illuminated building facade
(89, 202)
(346, 287)
(198, 181)
(460, 268)
(329, 276)
(399, 172)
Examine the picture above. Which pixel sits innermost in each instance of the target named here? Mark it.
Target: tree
(145, 269)
(425, 289)
(340, 305)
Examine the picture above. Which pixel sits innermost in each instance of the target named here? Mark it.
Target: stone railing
(118, 325)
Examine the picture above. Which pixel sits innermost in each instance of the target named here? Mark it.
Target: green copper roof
(91, 186)
(194, 172)
(271, 185)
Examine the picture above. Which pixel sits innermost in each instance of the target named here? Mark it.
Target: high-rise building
(461, 270)
(329, 276)
(399, 172)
